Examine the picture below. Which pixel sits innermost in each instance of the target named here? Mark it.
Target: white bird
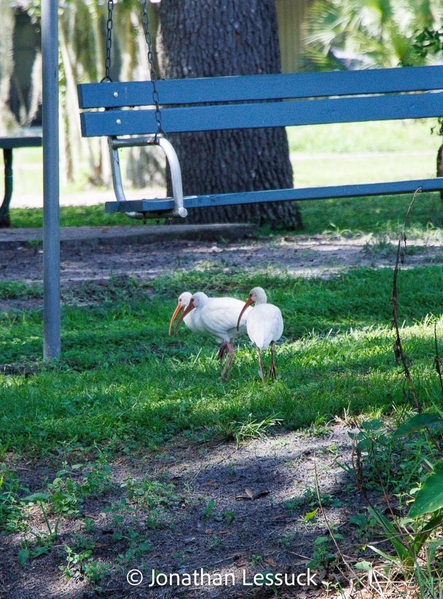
(216, 317)
(183, 302)
(264, 326)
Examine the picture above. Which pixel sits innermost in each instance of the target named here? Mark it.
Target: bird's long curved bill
(177, 311)
(245, 307)
(189, 307)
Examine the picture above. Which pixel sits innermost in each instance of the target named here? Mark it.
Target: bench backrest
(262, 101)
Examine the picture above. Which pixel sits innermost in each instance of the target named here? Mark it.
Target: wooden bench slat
(261, 87)
(270, 114)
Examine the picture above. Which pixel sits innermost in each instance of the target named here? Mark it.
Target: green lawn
(134, 384)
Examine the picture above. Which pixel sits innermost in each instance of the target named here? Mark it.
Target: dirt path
(299, 255)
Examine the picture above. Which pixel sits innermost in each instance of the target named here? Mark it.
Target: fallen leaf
(261, 494)
(250, 496)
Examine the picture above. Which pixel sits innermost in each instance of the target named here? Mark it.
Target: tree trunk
(7, 120)
(208, 38)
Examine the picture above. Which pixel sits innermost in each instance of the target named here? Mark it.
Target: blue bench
(20, 138)
(121, 109)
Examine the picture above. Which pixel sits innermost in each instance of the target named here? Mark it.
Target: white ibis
(264, 326)
(183, 302)
(216, 317)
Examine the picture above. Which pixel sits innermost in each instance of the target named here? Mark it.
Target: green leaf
(393, 535)
(311, 515)
(417, 423)
(37, 497)
(23, 556)
(390, 558)
(430, 497)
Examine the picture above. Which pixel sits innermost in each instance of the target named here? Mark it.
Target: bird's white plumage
(264, 325)
(217, 316)
(265, 321)
(183, 302)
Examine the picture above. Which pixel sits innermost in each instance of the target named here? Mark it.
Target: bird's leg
(272, 372)
(227, 369)
(260, 362)
(224, 347)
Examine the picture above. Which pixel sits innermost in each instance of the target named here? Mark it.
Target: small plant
(81, 563)
(11, 515)
(253, 429)
(95, 571)
(322, 555)
(209, 510)
(74, 561)
(256, 560)
(151, 493)
(42, 501)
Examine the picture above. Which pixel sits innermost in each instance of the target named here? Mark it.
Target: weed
(209, 510)
(20, 290)
(253, 429)
(12, 518)
(322, 554)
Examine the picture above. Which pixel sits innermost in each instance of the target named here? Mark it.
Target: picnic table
(20, 138)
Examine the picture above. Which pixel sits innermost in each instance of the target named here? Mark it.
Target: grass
(133, 382)
(378, 215)
(394, 137)
(121, 380)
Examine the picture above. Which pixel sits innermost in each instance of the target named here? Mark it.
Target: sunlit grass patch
(122, 379)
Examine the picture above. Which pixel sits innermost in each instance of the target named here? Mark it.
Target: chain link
(109, 25)
(155, 95)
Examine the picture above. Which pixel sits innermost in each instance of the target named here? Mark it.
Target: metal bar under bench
(122, 110)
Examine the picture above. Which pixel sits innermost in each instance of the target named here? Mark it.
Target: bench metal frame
(125, 109)
(27, 137)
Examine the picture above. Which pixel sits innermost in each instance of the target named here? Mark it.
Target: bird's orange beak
(247, 304)
(177, 311)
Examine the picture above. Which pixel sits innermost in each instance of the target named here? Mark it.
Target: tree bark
(208, 38)
(7, 119)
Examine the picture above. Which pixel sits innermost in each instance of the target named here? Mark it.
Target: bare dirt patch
(231, 512)
(320, 255)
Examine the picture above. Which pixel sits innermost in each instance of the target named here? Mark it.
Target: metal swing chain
(155, 95)
(109, 25)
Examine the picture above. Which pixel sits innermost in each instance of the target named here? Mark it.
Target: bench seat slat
(299, 194)
(261, 87)
(270, 114)
(27, 137)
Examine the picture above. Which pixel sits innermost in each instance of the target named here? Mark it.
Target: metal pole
(51, 184)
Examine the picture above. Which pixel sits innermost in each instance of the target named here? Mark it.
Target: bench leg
(4, 208)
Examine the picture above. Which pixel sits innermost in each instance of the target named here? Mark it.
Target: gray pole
(51, 191)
